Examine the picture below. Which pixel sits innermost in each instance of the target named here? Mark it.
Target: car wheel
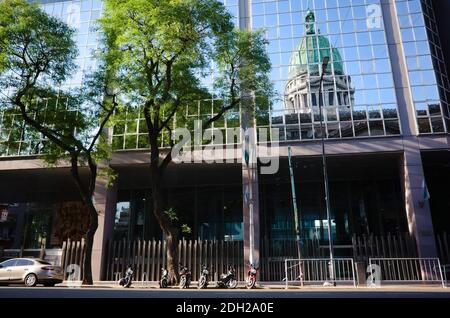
(30, 280)
(49, 284)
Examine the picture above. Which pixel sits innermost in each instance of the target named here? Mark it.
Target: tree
(37, 56)
(161, 48)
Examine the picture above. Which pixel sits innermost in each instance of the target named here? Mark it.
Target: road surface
(64, 292)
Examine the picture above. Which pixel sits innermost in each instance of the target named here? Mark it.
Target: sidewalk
(280, 286)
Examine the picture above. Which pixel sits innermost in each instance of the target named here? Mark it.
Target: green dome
(311, 50)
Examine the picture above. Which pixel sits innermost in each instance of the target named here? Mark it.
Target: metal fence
(407, 270)
(446, 273)
(388, 246)
(73, 254)
(319, 271)
(148, 257)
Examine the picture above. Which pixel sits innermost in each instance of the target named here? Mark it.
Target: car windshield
(43, 262)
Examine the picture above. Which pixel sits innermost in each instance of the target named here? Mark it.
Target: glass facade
(211, 212)
(358, 88)
(82, 16)
(425, 62)
(357, 93)
(130, 130)
(46, 222)
(16, 139)
(362, 202)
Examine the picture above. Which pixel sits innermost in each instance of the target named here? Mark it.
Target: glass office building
(426, 66)
(385, 95)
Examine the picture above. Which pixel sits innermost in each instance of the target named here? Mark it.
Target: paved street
(63, 292)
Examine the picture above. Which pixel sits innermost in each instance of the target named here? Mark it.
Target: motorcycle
(251, 276)
(228, 280)
(185, 277)
(163, 282)
(203, 281)
(127, 280)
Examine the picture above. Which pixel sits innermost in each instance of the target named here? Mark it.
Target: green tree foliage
(159, 50)
(37, 57)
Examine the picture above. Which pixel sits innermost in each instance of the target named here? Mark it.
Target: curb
(264, 286)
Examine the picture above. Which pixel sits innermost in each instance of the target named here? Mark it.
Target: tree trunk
(172, 258)
(87, 260)
(86, 196)
(170, 231)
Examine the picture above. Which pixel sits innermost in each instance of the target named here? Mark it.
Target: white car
(30, 272)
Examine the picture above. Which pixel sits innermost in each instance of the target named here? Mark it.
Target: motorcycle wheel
(202, 282)
(127, 284)
(183, 282)
(232, 284)
(163, 283)
(251, 282)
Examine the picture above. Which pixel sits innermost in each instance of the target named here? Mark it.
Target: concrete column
(405, 102)
(250, 197)
(249, 161)
(105, 202)
(411, 170)
(417, 206)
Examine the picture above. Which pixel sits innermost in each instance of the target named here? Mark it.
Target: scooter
(251, 276)
(127, 280)
(228, 280)
(163, 282)
(185, 277)
(203, 280)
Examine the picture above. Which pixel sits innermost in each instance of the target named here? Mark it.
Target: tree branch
(168, 158)
(164, 124)
(103, 124)
(93, 170)
(46, 131)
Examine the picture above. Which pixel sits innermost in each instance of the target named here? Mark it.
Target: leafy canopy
(161, 51)
(35, 48)
(37, 57)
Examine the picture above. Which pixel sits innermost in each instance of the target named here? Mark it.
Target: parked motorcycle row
(227, 280)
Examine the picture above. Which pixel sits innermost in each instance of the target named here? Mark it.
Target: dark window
(305, 100)
(331, 98)
(24, 262)
(346, 101)
(9, 263)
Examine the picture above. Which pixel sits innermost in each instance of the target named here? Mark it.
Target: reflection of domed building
(301, 91)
